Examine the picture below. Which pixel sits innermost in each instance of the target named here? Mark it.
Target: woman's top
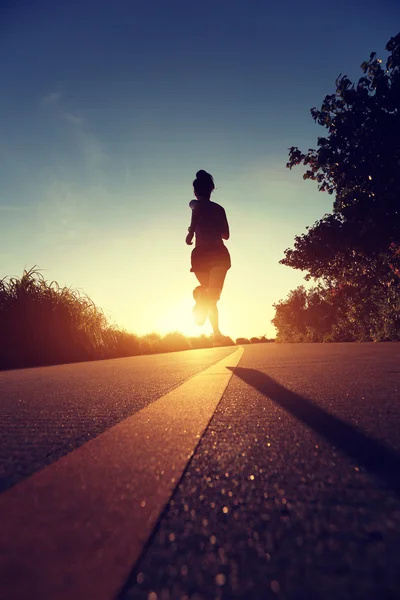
(209, 223)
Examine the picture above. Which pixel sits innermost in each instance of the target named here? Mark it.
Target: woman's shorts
(205, 258)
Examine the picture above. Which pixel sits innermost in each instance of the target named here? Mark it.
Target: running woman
(210, 257)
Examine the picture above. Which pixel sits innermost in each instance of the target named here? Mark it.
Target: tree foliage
(355, 249)
(359, 162)
(338, 315)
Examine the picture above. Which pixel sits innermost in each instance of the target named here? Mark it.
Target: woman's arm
(225, 227)
(192, 228)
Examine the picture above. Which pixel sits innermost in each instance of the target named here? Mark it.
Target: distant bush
(254, 340)
(229, 341)
(149, 343)
(173, 342)
(123, 343)
(343, 314)
(265, 340)
(201, 341)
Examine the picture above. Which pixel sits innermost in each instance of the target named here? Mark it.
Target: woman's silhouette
(210, 257)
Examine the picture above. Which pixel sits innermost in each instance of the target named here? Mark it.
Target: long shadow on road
(375, 456)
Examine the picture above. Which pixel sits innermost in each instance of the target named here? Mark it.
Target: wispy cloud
(71, 118)
(89, 146)
(93, 151)
(51, 98)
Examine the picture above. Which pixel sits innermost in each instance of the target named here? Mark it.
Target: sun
(178, 317)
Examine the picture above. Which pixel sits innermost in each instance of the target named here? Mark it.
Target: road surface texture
(290, 491)
(47, 412)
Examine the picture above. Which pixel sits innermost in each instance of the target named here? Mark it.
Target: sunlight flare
(178, 317)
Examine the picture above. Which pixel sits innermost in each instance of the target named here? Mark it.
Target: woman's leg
(203, 278)
(215, 285)
(200, 295)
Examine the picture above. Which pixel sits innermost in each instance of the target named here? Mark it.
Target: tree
(359, 162)
(241, 340)
(354, 252)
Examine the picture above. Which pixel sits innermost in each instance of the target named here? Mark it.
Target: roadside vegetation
(42, 323)
(352, 254)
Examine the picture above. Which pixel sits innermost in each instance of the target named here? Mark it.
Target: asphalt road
(292, 491)
(47, 412)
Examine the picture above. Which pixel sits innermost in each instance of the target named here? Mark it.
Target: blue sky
(109, 109)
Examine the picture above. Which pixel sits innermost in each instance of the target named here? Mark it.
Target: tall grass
(42, 323)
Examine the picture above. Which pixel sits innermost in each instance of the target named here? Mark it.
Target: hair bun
(203, 184)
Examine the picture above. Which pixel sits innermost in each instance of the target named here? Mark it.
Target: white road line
(74, 530)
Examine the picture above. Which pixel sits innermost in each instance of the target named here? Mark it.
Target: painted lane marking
(75, 529)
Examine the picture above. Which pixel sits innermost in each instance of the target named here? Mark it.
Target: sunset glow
(179, 318)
